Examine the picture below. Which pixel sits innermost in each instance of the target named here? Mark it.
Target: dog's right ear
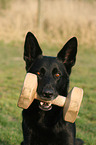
(31, 49)
(68, 54)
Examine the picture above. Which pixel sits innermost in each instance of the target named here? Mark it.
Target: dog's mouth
(45, 106)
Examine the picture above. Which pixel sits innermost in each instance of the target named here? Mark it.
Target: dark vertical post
(39, 14)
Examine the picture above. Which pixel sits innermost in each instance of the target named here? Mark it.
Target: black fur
(48, 127)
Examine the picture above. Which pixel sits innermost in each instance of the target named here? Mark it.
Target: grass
(12, 72)
(10, 85)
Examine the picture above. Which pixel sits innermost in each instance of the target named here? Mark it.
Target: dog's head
(53, 72)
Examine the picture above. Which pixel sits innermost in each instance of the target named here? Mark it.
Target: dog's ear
(31, 49)
(68, 53)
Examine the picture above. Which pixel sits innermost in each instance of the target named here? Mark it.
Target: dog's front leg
(27, 134)
(22, 143)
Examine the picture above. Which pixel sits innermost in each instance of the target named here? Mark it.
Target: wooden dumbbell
(71, 103)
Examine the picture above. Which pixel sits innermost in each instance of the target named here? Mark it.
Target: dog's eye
(38, 73)
(57, 75)
(41, 72)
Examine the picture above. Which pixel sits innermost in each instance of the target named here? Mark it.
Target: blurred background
(50, 19)
(53, 22)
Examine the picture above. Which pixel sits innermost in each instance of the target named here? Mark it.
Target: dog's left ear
(31, 49)
(68, 53)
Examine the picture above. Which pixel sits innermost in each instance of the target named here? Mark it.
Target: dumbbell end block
(26, 98)
(28, 91)
(23, 103)
(72, 105)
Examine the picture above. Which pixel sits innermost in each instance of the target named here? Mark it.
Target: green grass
(12, 72)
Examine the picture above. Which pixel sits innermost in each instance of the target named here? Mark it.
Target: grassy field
(12, 72)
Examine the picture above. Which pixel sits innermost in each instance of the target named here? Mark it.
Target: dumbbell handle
(59, 100)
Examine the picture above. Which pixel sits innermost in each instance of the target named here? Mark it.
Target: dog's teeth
(50, 104)
(45, 106)
(41, 103)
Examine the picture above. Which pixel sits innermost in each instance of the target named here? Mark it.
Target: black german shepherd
(43, 124)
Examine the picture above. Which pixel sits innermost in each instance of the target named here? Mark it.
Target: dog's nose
(47, 93)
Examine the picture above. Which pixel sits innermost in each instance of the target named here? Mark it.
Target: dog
(43, 124)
